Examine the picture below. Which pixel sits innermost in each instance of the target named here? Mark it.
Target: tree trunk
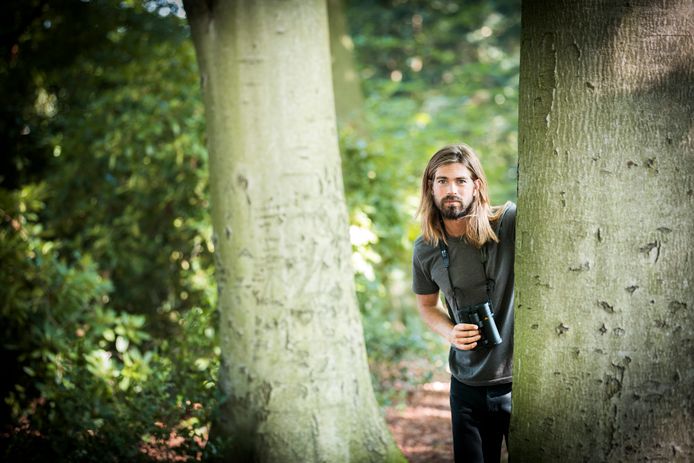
(349, 99)
(604, 346)
(294, 370)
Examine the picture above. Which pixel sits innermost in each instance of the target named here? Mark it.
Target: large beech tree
(294, 368)
(604, 354)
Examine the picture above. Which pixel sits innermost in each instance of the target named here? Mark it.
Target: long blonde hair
(482, 214)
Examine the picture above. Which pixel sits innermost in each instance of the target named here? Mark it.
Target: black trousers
(480, 418)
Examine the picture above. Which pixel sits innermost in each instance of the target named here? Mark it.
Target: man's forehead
(452, 170)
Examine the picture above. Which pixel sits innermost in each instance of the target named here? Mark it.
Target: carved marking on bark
(652, 251)
(538, 282)
(243, 183)
(612, 386)
(576, 50)
(613, 383)
(676, 306)
(547, 78)
(649, 163)
(245, 253)
(303, 316)
(584, 267)
(613, 441)
(548, 423)
(561, 329)
(607, 307)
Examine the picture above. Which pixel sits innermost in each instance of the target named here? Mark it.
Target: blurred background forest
(107, 291)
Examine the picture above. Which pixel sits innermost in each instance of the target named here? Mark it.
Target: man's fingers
(466, 346)
(464, 336)
(466, 327)
(468, 334)
(469, 337)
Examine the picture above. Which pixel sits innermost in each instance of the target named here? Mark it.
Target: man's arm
(463, 336)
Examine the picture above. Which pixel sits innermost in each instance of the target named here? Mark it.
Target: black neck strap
(484, 257)
(445, 257)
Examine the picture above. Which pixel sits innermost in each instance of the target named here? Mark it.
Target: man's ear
(478, 185)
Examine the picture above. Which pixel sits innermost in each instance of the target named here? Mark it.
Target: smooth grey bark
(604, 345)
(294, 369)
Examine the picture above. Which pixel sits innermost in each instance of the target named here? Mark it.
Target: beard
(453, 210)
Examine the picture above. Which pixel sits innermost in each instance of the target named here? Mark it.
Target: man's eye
(441, 181)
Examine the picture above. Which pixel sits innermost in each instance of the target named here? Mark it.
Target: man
(466, 252)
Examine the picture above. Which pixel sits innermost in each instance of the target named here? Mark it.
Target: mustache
(452, 198)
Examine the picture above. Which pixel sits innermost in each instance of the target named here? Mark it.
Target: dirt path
(422, 428)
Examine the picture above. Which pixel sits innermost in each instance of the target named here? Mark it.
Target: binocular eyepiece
(481, 315)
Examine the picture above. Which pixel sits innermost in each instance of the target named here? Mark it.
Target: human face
(454, 190)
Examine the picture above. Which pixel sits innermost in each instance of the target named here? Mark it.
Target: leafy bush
(380, 232)
(88, 383)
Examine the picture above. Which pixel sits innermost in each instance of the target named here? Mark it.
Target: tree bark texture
(294, 369)
(604, 345)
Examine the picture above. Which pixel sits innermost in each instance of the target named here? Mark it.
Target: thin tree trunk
(349, 98)
(294, 368)
(604, 345)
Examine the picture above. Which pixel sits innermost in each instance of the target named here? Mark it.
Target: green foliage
(107, 289)
(437, 73)
(434, 73)
(88, 384)
(130, 186)
(107, 293)
(393, 331)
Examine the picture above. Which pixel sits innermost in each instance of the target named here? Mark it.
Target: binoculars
(481, 315)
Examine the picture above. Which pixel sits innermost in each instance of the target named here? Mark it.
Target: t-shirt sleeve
(421, 278)
(510, 222)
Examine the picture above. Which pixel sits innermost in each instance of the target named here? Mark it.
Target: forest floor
(422, 425)
(419, 420)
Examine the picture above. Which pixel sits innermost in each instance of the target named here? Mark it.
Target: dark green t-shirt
(482, 366)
